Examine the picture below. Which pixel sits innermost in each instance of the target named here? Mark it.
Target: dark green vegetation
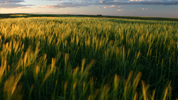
(98, 16)
(71, 58)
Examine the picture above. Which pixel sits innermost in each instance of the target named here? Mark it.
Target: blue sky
(152, 8)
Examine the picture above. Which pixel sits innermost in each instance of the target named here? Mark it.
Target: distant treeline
(98, 15)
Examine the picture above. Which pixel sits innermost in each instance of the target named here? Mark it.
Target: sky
(150, 8)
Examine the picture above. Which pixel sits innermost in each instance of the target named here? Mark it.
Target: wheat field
(84, 58)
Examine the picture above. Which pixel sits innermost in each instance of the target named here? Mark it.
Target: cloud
(146, 8)
(101, 1)
(10, 1)
(64, 5)
(124, 2)
(142, 2)
(120, 10)
(5, 4)
(112, 6)
(110, 3)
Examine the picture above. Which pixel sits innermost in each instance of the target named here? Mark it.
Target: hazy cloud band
(80, 3)
(11, 1)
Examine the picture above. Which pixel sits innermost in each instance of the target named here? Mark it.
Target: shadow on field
(98, 16)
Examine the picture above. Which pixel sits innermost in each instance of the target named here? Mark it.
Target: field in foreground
(88, 59)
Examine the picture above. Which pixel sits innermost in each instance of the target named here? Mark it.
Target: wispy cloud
(143, 2)
(101, 1)
(6, 6)
(120, 10)
(124, 2)
(110, 3)
(10, 1)
(146, 8)
(64, 5)
(112, 6)
(105, 7)
(12, 4)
